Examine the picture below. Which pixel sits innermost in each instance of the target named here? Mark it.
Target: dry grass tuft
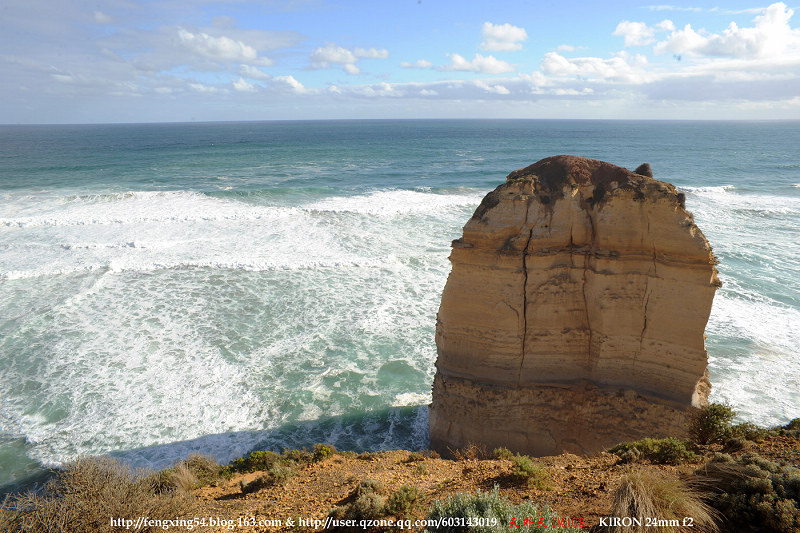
(470, 453)
(661, 503)
(183, 478)
(86, 495)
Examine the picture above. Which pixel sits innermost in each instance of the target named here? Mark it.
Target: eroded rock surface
(574, 313)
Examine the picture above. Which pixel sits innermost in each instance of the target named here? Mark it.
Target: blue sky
(173, 60)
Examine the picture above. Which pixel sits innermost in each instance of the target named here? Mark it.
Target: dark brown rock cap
(552, 175)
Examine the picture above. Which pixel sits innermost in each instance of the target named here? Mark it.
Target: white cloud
(664, 7)
(102, 18)
(420, 63)
(244, 86)
(372, 53)
(480, 64)
(771, 35)
(502, 37)
(565, 48)
(329, 54)
(292, 83)
(495, 89)
(217, 48)
(253, 73)
(639, 33)
(622, 68)
(635, 33)
(380, 89)
(206, 89)
(64, 78)
(573, 92)
(665, 25)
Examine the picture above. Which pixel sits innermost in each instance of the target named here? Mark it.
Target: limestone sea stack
(574, 313)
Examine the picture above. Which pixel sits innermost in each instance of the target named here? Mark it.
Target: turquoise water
(219, 287)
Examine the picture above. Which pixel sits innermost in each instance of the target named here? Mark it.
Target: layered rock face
(574, 313)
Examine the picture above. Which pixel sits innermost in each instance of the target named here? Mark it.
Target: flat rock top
(557, 171)
(552, 175)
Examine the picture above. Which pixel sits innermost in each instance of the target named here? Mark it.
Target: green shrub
(649, 494)
(402, 501)
(323, 451)
(755, 492)
(281, 474)
(502, 453)
(300, 457)
(365, 503)
(488, 512)
(531, 473)
(256, 461)
(193, 472)
(792, 429)
(711, 424)
(667, 451)
(414, 457)
(736, 444)
(261, 482)
(749, 432)
(276, 475)
(83, 497)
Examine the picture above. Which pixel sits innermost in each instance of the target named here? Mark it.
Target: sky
(98, 61)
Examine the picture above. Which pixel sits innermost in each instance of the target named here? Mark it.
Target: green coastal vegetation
(723, 492)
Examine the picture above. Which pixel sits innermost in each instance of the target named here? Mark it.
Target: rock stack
(574, 313)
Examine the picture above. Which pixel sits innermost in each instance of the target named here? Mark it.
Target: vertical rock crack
(586, 263)
(525, 291)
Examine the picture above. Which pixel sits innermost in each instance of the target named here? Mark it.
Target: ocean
(223, 287)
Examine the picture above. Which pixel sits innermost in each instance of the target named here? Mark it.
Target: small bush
(471, 452)
(83, 497)
(749, 432)
(757, 493)
(261, 482)
(299, 457)
(366, 503)
(191, 473)
(256, 461)
(792, 429)
(414, 457)
(281, 474)
(323, 451)
(711, 424)
(183, 478)
(162, 481)
(369, 456)
(502, 453)
(370, 485)
(403, 501)
(531, 473)
(276, 475)
(667, 451)
(488, 512)
(204, 468)
(736, 444)
(650, 494)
